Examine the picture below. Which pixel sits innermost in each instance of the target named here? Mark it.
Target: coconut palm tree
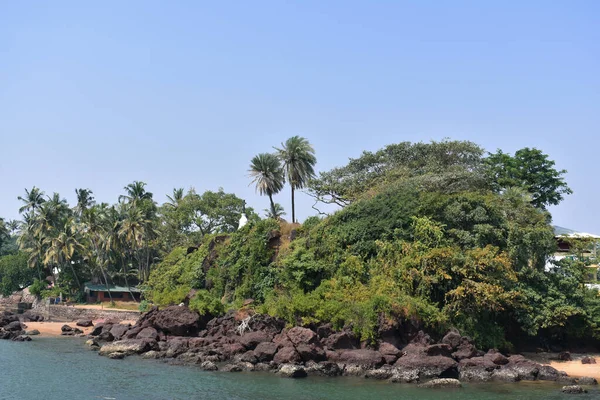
(32, 200)
(175, 200)
(85, 200)
(136, 192)
(279, 212)
(298, 158)
(13, 226)
(62, 248)
(267, 175)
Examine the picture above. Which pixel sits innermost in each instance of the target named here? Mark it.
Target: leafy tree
(449, 166)
(14, 273)
(298, 158)
(267, 175)
(531, 170)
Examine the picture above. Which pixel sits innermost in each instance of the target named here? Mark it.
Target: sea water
(63, 368)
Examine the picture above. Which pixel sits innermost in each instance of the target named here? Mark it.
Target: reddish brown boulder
(588, 360)
(148, 333)
(287, 355)
(265, 351)
(251, 339)
(342, 340)
(368, 358)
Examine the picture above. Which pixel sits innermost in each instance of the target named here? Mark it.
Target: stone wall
(66, 313)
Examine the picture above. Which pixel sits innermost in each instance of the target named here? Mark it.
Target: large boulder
(287, 355)
(176, 321)
(13, 326)
(588, 360)
(84, 323)
(128, 346)
(265, 351)
(342, 340)
(364, 357)
(251, 339)
(147, 333)
(429, 367)
(119, 330)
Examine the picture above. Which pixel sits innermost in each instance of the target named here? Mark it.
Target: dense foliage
(434, 233)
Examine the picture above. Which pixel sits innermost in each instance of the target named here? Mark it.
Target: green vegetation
(436, 233)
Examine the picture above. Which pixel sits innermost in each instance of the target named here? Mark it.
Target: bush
(206, 304)
(144, 306)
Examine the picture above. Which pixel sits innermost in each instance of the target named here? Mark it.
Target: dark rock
(422, 339)
(496, 358)
(299, 335)
(370, 358)
(265, 351)
(251, 339)
(505, 375)
(573, 389)
(429, 367)
(452, 339)
(564, 356)
(324, 331)
(389, 349)
(439, 350)
(175, 320)
(32, 332)
(175, 346)
(548, 373)
(32, 316)
(118, 331)
(263, 367)
(21, 338)
(325, 368)
(247, 357)
(442, 383)
(13, 326)
(147, 333)
(311, 352)
(292, 371)
(588, 360)
(97, 329)
(465, 350)
(105, 337)
(287, 355)
(231, 349)
(342, 340)
(587, 380)
(84, 322)
(117, 355)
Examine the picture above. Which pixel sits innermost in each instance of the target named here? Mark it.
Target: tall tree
(531, 170)
(267, 175)
(62, 248)
(298, 157)
(176, 199)
(135, 193)
(85, 200)
(32, 200)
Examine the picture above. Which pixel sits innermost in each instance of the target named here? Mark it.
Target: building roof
(112, 288)
(570, 233)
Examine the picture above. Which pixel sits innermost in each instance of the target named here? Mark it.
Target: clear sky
(185, 93)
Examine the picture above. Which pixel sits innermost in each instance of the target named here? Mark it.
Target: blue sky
(180, 94)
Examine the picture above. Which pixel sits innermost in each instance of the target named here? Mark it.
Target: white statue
(243, 218)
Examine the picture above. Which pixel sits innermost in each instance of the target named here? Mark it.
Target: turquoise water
(62, 368)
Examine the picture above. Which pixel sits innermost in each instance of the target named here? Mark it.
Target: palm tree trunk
(127, 283)
(273, 212)
(293, 207)
(75, 275)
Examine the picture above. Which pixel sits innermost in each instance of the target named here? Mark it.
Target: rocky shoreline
(241, 342)
(257, 342)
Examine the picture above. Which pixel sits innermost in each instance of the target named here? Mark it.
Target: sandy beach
(577, 369)
(53, 328)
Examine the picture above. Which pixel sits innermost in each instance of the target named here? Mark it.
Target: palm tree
(136, 192)
(84, 200)
(62, 247)
(13, 226)
(33, 200)
(267, 175)
(279, 212)
(298, 158)
(175, 200)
